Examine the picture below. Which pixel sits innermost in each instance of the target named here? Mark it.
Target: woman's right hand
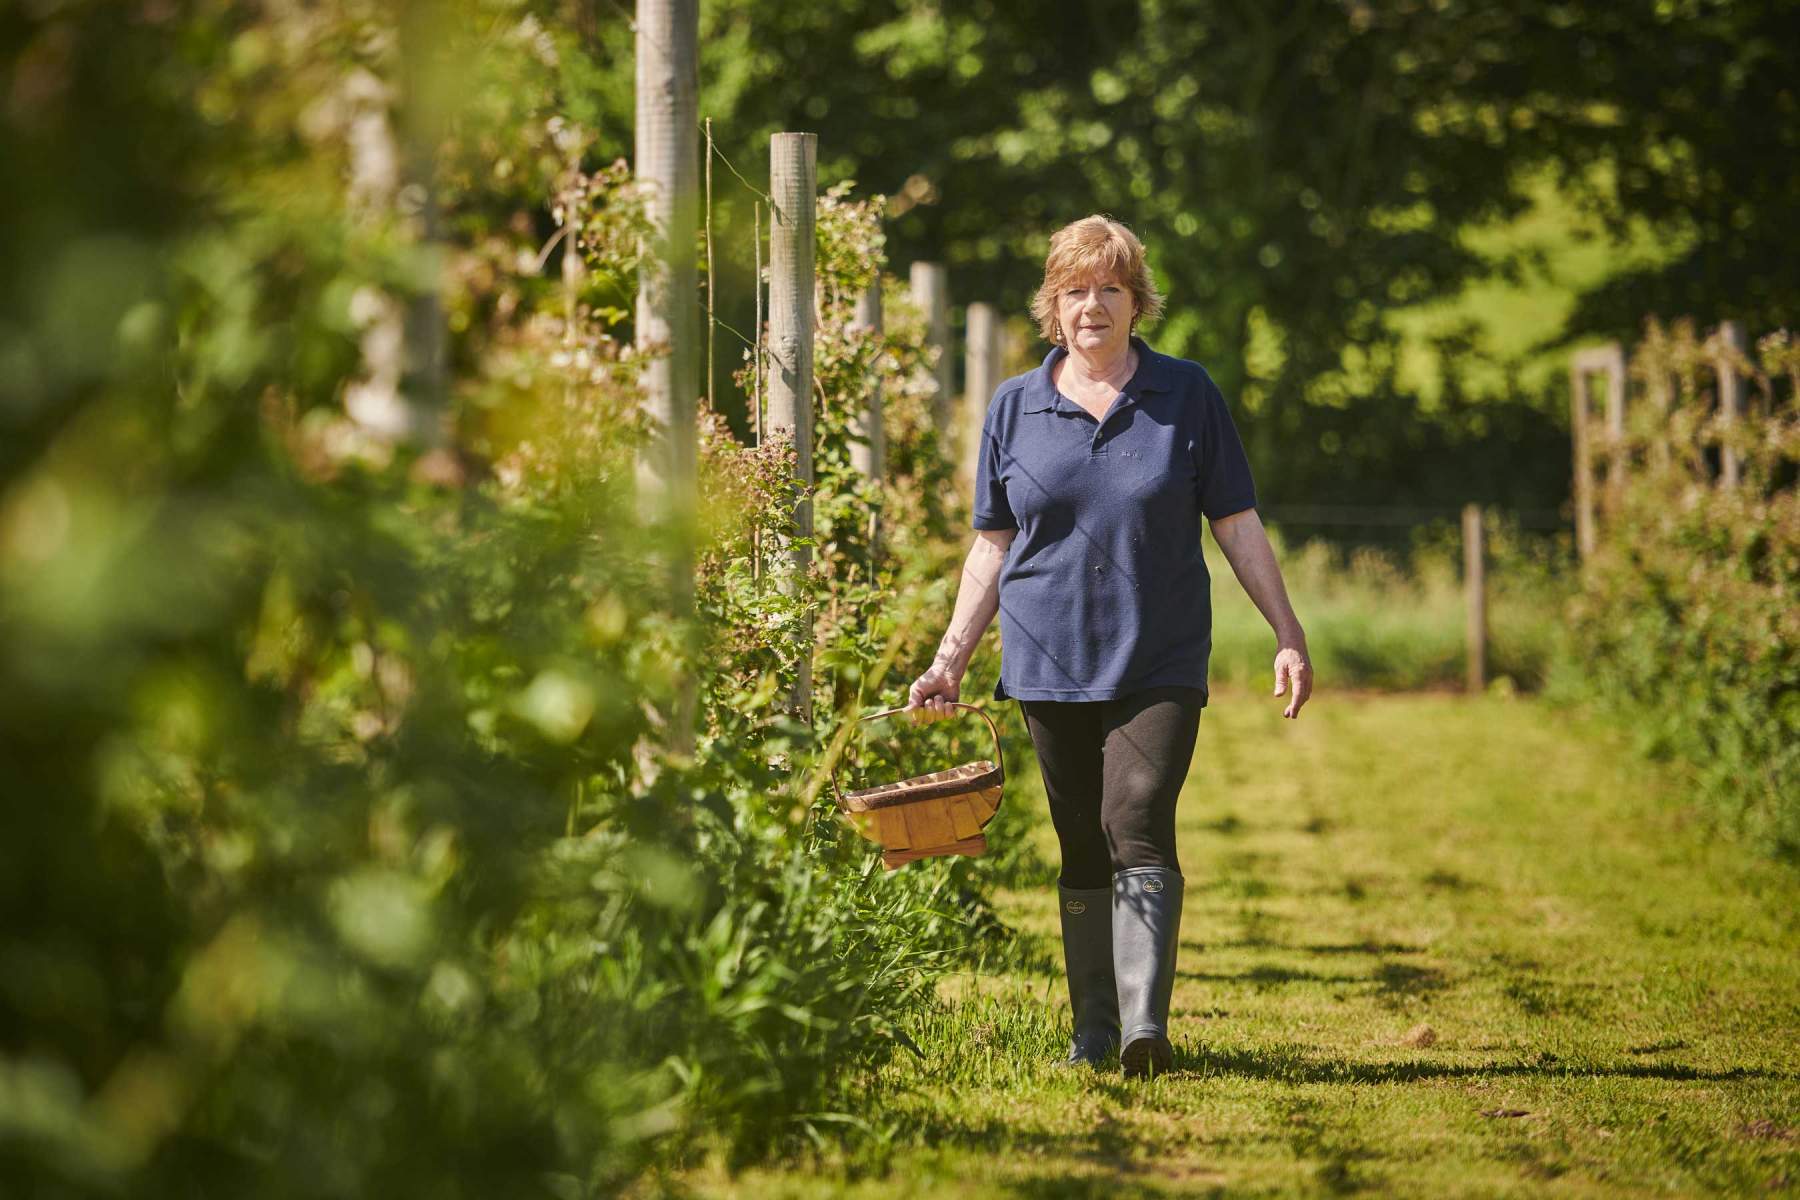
(933, 693)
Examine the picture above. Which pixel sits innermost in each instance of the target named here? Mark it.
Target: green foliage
(347, 855)
(1688, 618)
(1305, 174)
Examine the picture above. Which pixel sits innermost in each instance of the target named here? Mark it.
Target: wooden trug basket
(927, 816)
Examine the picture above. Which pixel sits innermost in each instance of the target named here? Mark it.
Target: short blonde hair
(1095, 245)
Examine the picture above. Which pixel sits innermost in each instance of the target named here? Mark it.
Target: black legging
(1113, 769)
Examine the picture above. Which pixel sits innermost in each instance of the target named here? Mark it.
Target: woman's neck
(1111, 370)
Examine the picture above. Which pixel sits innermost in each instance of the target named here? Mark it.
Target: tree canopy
(1301, 174)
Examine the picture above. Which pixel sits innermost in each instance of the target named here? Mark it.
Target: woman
(1095, 470)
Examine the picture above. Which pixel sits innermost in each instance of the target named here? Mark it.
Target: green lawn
(1613, 1001)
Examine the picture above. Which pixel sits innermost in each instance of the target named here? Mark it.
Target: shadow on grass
(1360, 948)
(1268, 976)
(1394, 981)
(1298, 1068)
(1123, 1165)
(1397, 981)
(1372, 948)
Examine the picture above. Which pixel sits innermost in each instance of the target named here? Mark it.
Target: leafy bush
(1688, 621)
(347, 855)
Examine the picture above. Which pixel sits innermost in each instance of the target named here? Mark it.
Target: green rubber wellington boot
(1146, 920)
(1087, 927)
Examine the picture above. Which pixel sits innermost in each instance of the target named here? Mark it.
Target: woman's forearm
(1246, 546)
(977, 600)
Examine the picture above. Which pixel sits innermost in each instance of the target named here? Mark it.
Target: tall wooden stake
(1731, 398)
(668, 300)
(930, 284)
(793, 187)
(1475, 590)
(756, 369)
(1613, 362)
(981, 379)
(1584, 463)
(1610, 360)
(712, 285)
(756, 352)
(868, 446)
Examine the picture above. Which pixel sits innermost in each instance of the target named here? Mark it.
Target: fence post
(868, 433)
(793, 186)
(668, 299)
(1584, 465)
(1475, 591)
(1731, 398)
(930, 285)
(1610, 361)
(981, 378)
(868, 449)
(1615, 424)
(668, 285)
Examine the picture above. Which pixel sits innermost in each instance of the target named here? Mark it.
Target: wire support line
(727, 327)
(740, 175)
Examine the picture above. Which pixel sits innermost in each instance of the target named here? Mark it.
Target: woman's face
(1095, 314)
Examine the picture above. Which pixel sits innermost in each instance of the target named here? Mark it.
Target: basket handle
(999, 762)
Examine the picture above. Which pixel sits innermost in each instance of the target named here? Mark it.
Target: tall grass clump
(346, 850)
(1688, 622)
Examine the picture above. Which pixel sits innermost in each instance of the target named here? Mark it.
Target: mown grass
(1612, 997)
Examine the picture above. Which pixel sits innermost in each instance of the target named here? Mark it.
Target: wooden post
(1731, 399)
(868, 452)
(868, 446)
(793, 187)
(1660, 383)
(1616, 458)
(712, 280)
(1584, 465)
(757, 351)
(756, 370)
(1475, 590)
(981, 379)
(668, 300)
(930, 284)
(1610, 361)
(668, 286)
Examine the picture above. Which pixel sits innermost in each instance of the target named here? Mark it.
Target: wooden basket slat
(964, 817)
(929, 822)
(973, 847)
(891, 822)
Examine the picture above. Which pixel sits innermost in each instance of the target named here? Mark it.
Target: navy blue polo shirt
(1105, 591)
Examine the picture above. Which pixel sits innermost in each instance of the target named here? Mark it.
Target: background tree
(1304, 175)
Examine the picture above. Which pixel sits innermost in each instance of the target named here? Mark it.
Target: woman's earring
(1057, 335)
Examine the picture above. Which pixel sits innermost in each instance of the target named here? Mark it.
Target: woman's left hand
(1292, 667)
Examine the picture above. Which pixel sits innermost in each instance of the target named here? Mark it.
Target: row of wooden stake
(793, 188)
(669, 308)
(1610, 362)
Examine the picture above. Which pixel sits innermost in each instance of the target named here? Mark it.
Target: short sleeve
(1222, 475)
(992, 509)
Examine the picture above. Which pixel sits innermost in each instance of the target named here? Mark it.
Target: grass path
(1612, 998)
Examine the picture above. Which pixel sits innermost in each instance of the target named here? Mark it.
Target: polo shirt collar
(1152, 375)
